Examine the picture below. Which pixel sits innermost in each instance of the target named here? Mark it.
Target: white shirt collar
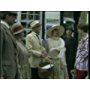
(5, 23)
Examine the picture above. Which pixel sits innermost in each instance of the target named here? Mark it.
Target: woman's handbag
(45, 69)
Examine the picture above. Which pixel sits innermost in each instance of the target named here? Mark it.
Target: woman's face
(55, 33)
(68, 32)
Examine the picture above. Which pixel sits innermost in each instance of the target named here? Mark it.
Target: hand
(44, 54)
(47, 59)
(54, 49)
(73, 71)
(61, 66)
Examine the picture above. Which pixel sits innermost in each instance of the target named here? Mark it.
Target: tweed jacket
(8, 53)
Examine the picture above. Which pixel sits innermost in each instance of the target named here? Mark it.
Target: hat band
(20, 31)
(36, 26)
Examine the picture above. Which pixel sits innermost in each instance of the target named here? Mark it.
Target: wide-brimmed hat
(17, 28)
(34, 24)
(56, 27)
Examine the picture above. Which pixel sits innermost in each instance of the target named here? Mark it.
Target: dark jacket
(71, 47)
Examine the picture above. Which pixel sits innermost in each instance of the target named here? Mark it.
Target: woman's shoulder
(61, 39)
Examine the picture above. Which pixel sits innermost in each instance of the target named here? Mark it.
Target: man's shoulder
(3, 27)
(31, 34)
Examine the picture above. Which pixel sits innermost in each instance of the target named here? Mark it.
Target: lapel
(37, 39)
(7, 30)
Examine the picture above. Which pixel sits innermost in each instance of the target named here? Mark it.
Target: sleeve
(29, 45)
(62, 55)
(62, 45)
(1, 49)
(85, 51)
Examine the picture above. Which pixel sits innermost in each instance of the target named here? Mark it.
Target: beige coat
(35, 48)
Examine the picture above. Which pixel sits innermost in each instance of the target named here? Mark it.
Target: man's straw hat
(34, 24)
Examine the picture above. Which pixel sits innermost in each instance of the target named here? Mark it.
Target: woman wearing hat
(23, 55)
(71, 47)
(56, 49)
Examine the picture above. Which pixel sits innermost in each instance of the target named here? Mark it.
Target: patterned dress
(82, 56)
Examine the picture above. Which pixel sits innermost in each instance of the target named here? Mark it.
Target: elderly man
(34, 45)
(8, 53)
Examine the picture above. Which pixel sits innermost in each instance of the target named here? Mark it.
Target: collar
(5, 23)
(85, 37)
(35, 33)
(55, 38)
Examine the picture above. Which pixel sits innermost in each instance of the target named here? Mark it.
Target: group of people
(21, 56)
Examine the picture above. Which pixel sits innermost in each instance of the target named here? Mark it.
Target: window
(25, 17)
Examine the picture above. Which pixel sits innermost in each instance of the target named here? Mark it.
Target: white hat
(35, 24)
(60, 28)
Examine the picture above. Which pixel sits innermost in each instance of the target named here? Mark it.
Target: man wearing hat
(8, 53)
(34, 45)
(23, 55)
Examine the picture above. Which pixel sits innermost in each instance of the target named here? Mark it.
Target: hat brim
(36, 25)
(19, 32)
(60, 28)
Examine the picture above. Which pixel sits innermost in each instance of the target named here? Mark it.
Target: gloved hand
(44, 54)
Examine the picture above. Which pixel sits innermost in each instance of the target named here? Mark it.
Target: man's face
(21, 35)
(11, 19)
(37, 29)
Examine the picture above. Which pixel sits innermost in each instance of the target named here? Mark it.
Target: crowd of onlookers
(21, 55)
